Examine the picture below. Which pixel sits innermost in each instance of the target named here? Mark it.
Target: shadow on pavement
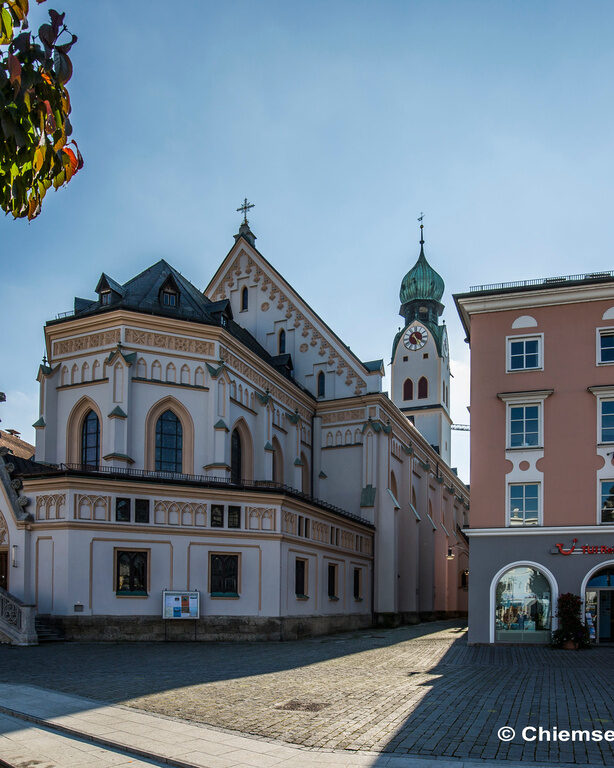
(472, 692)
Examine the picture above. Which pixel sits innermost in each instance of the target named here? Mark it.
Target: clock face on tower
(415, 337)
(445, 348)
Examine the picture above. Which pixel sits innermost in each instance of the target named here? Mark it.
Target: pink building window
(524, 504)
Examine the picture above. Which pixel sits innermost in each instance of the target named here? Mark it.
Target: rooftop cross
(244, 209)
(421, 228)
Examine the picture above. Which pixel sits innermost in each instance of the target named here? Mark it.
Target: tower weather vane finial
(421, 228)
(244, 209)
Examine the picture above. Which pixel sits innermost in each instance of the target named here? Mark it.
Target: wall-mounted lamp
(451, 554)
(14, 555)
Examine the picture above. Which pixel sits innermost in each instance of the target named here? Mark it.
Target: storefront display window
(523, 607)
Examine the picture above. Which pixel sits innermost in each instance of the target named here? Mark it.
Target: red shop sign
(587, 549)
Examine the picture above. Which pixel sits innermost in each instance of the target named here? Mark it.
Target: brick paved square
(413, 690)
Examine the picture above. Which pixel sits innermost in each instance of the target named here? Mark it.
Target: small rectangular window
(301, 523)
(332, 534)
(122, 510)
(524, 504)
(224, 575)
(234, 517)
(300, 586)
(105, 297)
(307, 527)
(332, 581)
(524, 426)
(217, 515)
(607, 421)
(606, 347)
(524, 354)
(357, 584)
(141, 510)
(131, 572)
(169, 298)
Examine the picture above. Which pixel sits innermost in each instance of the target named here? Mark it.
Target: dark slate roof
(143, 293)
(24, 466)
(373, 365)
(111, 284)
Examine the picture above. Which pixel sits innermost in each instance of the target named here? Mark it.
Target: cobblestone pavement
(418, 690)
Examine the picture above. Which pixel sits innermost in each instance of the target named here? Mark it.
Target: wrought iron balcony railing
(203, 481)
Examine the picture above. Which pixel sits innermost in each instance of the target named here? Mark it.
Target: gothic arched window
(282, 342)
(408, 389)
(244, 299)
(236, 457)
(321, 384)
(90, 440)
(278, 462)
(169, 443)
(423, 388)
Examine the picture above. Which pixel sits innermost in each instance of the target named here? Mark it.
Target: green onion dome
(421, 282)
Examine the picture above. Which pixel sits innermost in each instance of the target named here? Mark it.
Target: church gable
(272, 311)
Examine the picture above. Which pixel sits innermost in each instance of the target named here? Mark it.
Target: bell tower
(420, 369)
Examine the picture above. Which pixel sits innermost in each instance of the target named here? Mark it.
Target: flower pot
(570, 645)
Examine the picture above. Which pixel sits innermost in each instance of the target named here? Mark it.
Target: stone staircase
(17, 620)
(47, 631)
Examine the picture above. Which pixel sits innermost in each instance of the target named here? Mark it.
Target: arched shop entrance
(523, 595)
(599, 603)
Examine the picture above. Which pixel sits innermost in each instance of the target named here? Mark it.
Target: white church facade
(227, 447)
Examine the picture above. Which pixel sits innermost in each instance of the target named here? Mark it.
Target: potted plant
(572, 632)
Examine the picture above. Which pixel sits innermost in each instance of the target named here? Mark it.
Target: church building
(219, 464)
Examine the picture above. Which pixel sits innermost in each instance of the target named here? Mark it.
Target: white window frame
(599, 332)
(602, 394)
(540, 429)
(540, 504)
(599, 521)
(539, 337)
(600, 402)
(513, 399)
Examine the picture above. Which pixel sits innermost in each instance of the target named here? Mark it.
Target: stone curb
(98, 740)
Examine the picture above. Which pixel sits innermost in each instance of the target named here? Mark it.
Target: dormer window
(105, 297)
(169, 298)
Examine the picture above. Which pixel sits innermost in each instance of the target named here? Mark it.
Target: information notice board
(180, 605)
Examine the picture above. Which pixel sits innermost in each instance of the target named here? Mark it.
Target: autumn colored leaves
(35, 151)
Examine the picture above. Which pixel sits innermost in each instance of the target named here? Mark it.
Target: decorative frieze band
(50, 506)
(356, 414)
(91, 341)
(165, 341)
(260, 518)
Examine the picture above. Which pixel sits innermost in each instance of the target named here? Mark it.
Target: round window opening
(523, 607)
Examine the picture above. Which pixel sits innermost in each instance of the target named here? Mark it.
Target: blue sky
(341, 121)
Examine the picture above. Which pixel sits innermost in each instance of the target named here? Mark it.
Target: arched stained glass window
(169, 443)
(244, 299)
(236, 457)
(90, 440)
(321, 384)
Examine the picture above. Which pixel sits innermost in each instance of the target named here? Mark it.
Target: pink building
(542, 454)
